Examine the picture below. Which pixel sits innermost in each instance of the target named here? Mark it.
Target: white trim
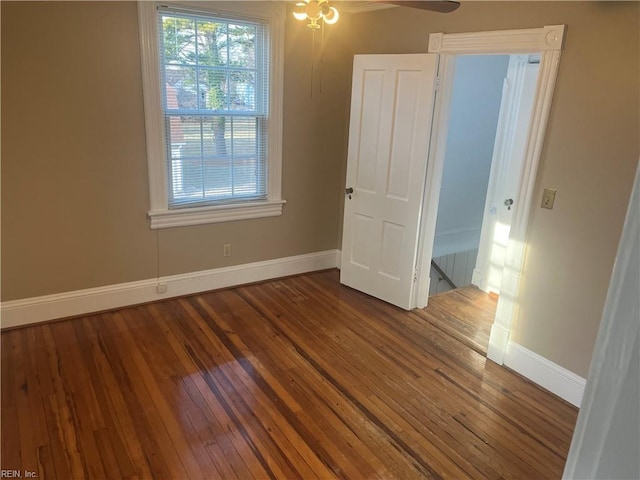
(507, 303)
(159, 213)
(433, 182)
(153, 115)
(276, 105)
(214, 214)
(558, 380)
(499, 335)
(528, 40)
(614, 364)
(49, 307)
(477, 279)
(505, 156)
(549, 40)
(339, 259)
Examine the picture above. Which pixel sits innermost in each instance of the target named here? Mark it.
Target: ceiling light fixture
(314, 11)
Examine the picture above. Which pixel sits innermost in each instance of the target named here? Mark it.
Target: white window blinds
(215, 83)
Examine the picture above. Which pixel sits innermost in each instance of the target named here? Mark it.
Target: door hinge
(437, 83)
(415, 274)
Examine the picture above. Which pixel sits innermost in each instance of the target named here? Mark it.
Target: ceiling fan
(314, 11)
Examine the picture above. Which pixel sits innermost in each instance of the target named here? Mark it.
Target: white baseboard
(556, 379)
(50, 307)
(477, 279)
(498, 342)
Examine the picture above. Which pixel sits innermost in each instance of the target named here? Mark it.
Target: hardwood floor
(295, 378)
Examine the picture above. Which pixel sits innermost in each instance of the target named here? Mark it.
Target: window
(213, 94)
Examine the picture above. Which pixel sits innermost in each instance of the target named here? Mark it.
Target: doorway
(548, 41)
(489, 120)
(388, 256)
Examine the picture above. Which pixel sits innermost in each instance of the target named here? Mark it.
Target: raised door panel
(391, 111)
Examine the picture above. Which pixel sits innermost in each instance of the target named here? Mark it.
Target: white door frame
(506, 164)
(548, 41)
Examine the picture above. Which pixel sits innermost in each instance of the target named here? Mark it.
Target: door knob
(348, 191)
(508, 202)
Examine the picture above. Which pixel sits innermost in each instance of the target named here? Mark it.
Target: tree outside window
(214, 116)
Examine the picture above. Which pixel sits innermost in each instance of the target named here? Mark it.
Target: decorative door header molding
(527, 40)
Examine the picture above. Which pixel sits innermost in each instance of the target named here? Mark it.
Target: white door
(391, 111)
(506, 170)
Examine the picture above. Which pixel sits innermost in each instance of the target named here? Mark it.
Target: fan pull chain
(313, 49)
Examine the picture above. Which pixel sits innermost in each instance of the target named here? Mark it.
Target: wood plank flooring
(294, 378)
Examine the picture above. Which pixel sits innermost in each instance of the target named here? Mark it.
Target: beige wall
(74, 186)
(74, 171)
(590, 155)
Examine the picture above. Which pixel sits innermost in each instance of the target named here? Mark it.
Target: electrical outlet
(161, 288)
(548, 197)
(226, 250)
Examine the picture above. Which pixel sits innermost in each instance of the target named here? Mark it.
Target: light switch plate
(548, 197)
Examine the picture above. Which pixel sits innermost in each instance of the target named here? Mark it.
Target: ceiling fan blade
(440, 6)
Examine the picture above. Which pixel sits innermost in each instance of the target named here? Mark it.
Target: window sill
(214, 214)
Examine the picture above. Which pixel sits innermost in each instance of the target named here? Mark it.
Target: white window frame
(160, 215)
